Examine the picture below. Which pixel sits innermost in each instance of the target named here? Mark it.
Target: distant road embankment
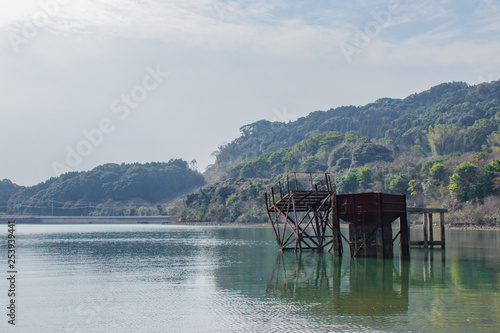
(86, 219)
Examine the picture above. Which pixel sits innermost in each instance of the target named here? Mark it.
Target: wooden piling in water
(441, 224)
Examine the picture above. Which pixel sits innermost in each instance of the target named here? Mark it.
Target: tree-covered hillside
(7, 188)
(440, 147)
(110, 189)
(447, 118)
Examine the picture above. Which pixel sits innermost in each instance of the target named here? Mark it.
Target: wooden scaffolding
(301, 208)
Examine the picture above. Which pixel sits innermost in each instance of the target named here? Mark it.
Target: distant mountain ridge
(109, 189)
(469, 110)
(434, 146)
(440, 147)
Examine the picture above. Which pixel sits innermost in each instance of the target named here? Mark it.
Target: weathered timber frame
(428, 227)
(302, 209)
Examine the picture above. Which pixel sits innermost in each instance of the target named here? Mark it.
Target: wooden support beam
(428, 229)
(297, 239)
(421, 243)
(441, 223)
(379, 233)
(404, 238)
(431, 230)
(426, 210)
(426, 239)
(337, 235)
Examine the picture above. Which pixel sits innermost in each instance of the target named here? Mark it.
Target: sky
(84, 83)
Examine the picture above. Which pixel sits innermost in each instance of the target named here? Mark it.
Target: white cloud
(229, 66)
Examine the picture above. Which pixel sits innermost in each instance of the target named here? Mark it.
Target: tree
(414, 187)
(365, 177)
(462, 182)
(399, 183)
(78, 193)
(487, 178)
(365, 152)
(438, 172)
(441, 138)
(350, 183)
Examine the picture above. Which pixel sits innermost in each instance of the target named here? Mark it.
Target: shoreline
(458, 227)
(167, 220)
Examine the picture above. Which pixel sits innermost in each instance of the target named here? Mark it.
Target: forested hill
(110, 189)
(447, 118)
(440, 147)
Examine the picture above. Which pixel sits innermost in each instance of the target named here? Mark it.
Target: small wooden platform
(303, 201)
(428, 227)
(429, 243)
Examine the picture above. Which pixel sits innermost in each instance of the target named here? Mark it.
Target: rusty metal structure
(370, 217)
(306, 213)
(301, 209)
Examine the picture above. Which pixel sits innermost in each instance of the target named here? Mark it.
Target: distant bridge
(28, 219)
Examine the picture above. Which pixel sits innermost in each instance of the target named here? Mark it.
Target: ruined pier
(428, 227)
(305, 213)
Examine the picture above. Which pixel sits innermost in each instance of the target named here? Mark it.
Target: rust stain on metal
(305, 213)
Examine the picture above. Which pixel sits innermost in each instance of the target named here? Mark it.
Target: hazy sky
(90, 82)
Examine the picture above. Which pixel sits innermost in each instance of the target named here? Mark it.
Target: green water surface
(158, 278)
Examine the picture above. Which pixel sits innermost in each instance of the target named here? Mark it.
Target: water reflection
(428, 267)
(341, 286)
(234, 280)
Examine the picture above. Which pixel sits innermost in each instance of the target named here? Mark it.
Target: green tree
(462, 182)
(442, 138)
(340, 157)
(414, 187)
(487, 178)
(365, 152)
(438, 172)
(417, 150)
(350, 183)
(365, 177)
(398, 183)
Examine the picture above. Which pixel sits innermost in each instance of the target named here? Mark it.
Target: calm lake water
(158, 278)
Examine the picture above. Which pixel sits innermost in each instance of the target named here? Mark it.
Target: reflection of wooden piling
(431, 233)
(337, 235)
(361, 288)
(428, 227)
(441, 224)
(426, 237)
